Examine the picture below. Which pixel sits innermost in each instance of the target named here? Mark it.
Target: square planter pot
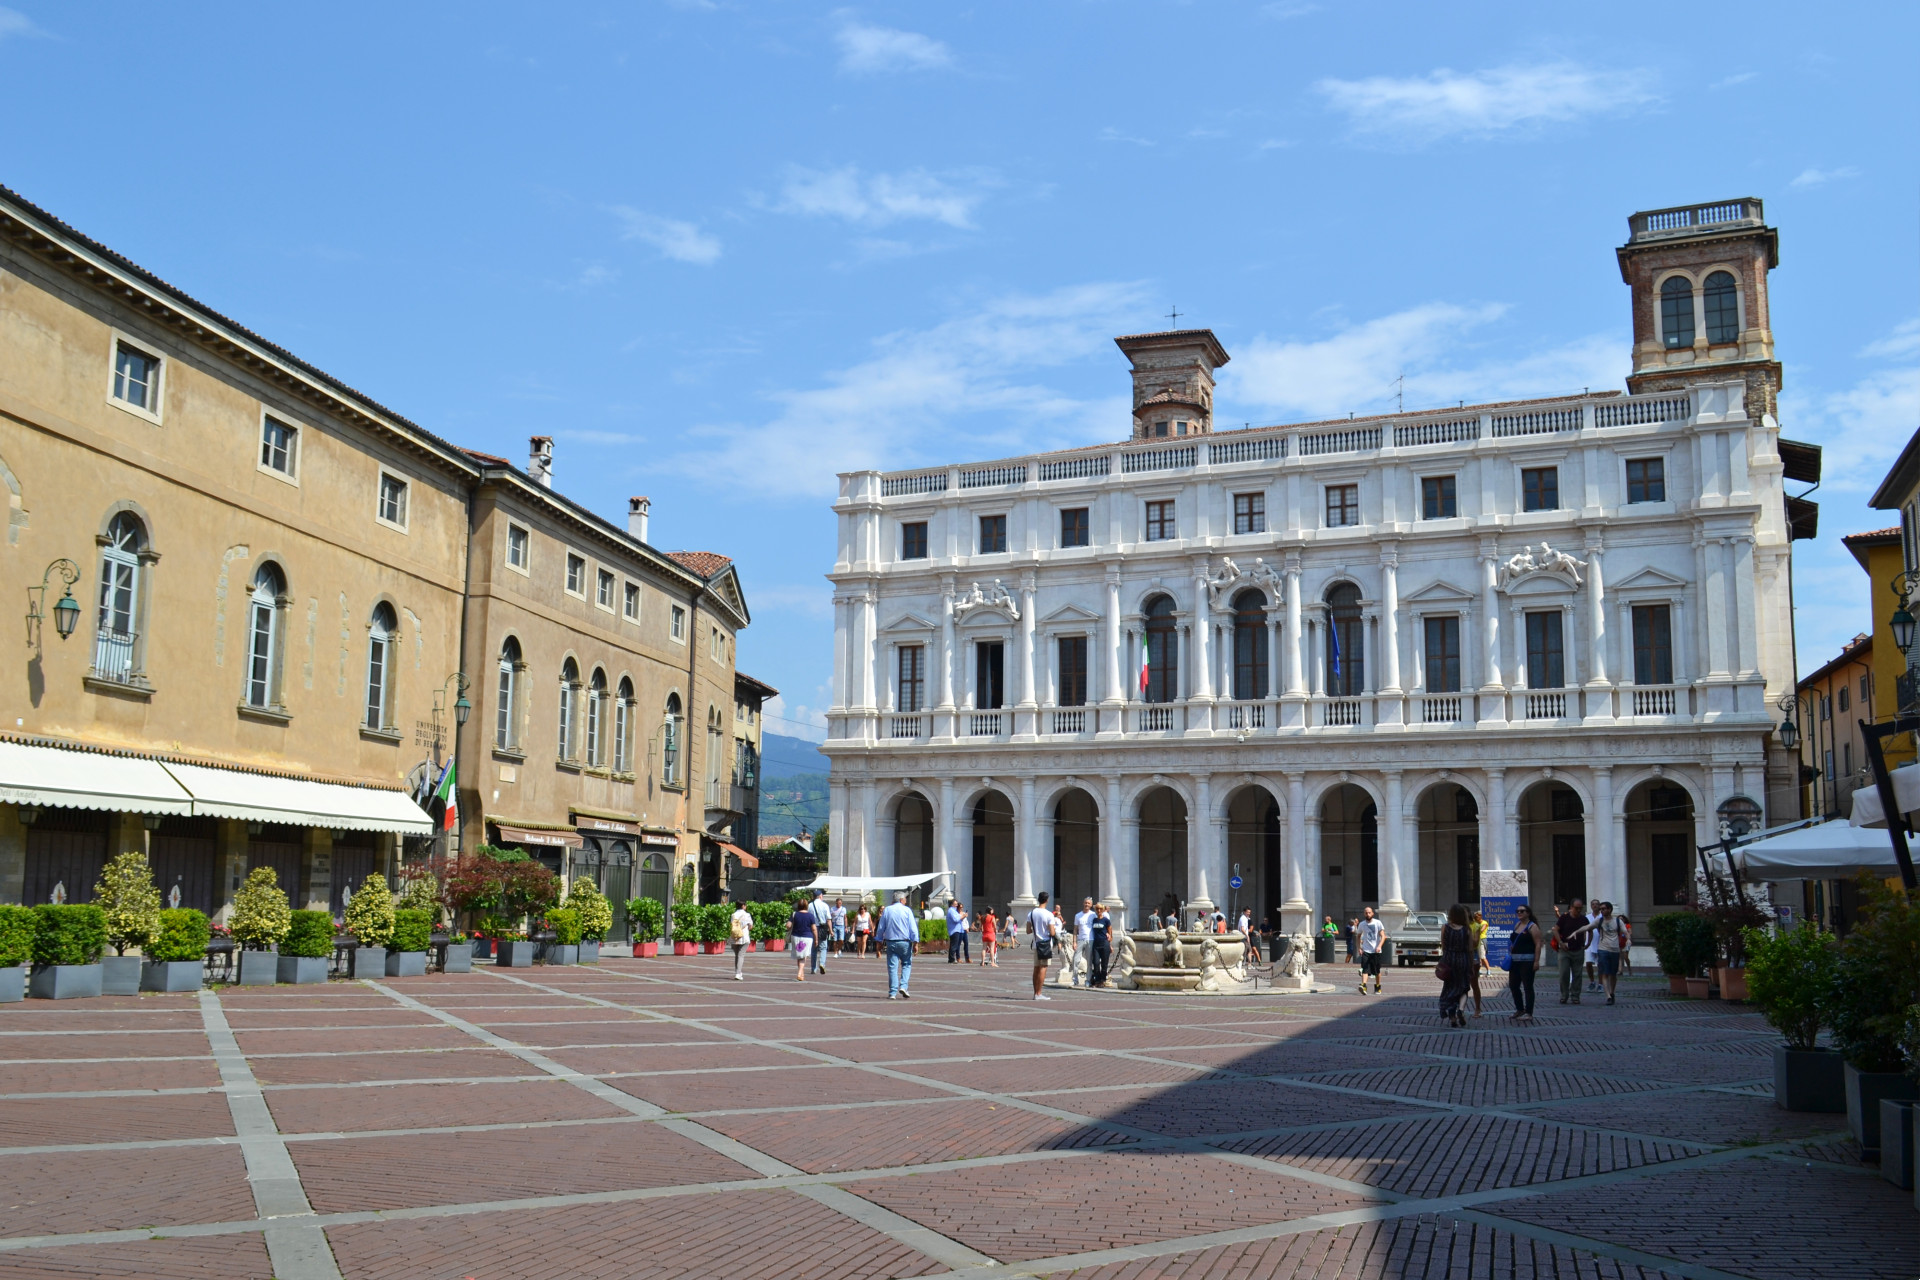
(367, 962)
(120, 975)
(406, 964)
(1676, 984)
(457, 957)
(301, 969)
(172, 975)
(1896, 1142)
(775, 944)
(1809, 1080)
(513, 955)
(1865, 1089)
(482, 948)
(646, 950)
(712, 948)
(589, 953)
(71, 982)
(685, 948)
(1732, 983)
(13, 983)
(1697, 988)
(563, 953)
(259, 968)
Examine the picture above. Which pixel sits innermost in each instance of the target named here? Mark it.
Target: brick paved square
(40, 1122)
(1293, 1058)
(1058, 1071)
(778, 1087)
(1129, 1037)
(1483, 1084)
(348, 1068)
(234, 1257)
(72, 1077)
(360, 1040)
(693, 1057)
(111, 1044)
(114, 1190)
(911, 1048)
(962, 1129)
(421, 1106)
(1219, 1106)
(1693, 1116)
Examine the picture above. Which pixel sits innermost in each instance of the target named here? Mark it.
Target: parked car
(1419, 938)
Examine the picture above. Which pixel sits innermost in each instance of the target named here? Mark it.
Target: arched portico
(1164, 844)
(1447, 837)
(990, 816)
(1349, 850)
(1076, 849)
(1551, 819)
(1658, 816)
(1252, 814)
(913, 840)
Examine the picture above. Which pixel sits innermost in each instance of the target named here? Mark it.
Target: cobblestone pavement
(654, 1118)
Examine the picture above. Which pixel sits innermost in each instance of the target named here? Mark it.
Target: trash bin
(1323, 950)
(1387, 957)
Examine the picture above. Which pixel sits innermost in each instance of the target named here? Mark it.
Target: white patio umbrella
(1828, 851)
(1906, 794)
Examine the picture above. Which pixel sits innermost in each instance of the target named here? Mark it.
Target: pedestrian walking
(740, 931)
(839, 918)
(1253, 938)
(1041, 924)
(1477, 926)
(1523, 951)
(822, 929)
(1626, 946)
(1353, 940)
(1101, 954)
(898, 932)
(1456, 967)
(800, 940)
(1083, 941)
(956, 933)
(1569, 939)
(1609, 939)
(1593, 950)
(1372, 936)
(863, 928)
(989, 939)
(1009, 936)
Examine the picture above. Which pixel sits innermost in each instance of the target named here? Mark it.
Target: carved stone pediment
(1532, 562)
(994, 598)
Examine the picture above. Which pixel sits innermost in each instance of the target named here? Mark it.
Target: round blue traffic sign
(1236, 883)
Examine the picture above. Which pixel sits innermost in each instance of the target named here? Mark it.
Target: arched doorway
(1553, 845)
(1349, 852)
(1163, 652)
(1253, 853)
(656, 882)
(913, 836)
(992, 852)
(1449, 845)
(1076, 850)
(1660, 849)
(1163, 852)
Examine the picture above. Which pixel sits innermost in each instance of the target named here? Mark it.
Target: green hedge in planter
(70, 933)
(18, 925)
(412, 929)
(596, 913)
(933, 931)
(1876, 979)
(647, 917)
(716, 921)
(1787, 976)
(769, 919)
(686, 922)
(565, 923)
(309, 936)
(184, 934)
(1684, 942)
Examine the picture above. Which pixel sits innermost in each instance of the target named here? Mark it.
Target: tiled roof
(1872, 536)
(705, 563)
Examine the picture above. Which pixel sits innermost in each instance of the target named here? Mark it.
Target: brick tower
(1173, 381)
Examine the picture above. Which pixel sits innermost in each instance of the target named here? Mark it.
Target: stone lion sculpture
(1209, 965)
(1294, 963)
(1170, 948)
(1125, 958)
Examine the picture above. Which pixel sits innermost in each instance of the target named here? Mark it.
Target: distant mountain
(781, 755)
(793, 785)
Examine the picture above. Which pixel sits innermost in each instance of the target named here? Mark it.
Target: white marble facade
(1449, 745)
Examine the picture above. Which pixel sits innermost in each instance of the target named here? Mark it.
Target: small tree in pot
(126, 892)
(1875, 981)
(370, 921)
(177, 957)
(67, 942)
(407, 947)
(647, 917)
(565, 924)
(308, 947)
(17, 926)
(596, 916)
(1787, 979)
(260, 919)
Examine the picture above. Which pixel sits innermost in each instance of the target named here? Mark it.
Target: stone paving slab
(1294, 1058)
(1221, 1106)
(75, 1077)
(108, 1044)
(1072, 1071)
(351, 1068)
(797, 1086)
(1689, 1116)
(240, 1257)
(695, 1057)
(1483, 1084)
(417, 1106)
(39, 1122)
(967, 1128)
(363, 1039)
(113, 1190)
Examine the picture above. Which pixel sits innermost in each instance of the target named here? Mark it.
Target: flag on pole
(1146, 663)
(1333, 638)
(446, 791)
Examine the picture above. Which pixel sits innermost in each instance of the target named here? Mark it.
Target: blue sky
(721, 251)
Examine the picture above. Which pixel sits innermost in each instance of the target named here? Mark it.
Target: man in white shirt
(1373, 939)
(1044, 926)
(822, 929)
(1083, 941)
(740, 930)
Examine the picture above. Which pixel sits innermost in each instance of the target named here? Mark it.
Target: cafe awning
(1827, 851)
(1906, 793)
(874, 884)
(57, 778)
(255, 797)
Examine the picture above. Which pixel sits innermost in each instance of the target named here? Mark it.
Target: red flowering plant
(500, 888)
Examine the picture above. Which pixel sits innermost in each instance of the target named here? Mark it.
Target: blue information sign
(1502, 894)
(1235, 883)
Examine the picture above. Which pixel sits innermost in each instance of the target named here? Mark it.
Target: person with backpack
(1609, 939)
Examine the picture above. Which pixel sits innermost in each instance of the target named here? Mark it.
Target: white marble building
(1351, 662)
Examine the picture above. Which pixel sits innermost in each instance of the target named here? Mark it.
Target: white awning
(1828, 851)
(1906, 794)
(873, 884)
(54, 777)
(255, 797)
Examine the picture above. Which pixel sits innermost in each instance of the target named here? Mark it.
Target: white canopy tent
(1906, 793)
(1828, 851)
(874, 884)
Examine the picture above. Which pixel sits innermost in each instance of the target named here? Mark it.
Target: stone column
(1273, 655)
(1202, 660)
(943, 709)
(1393, 852)
(1202, 843)
(1494, 853)
(867, 641)
(1028, 658)
(1316, 652)
(1115, 694)
(1296, 910)
(1609, 859)
(1025, 836)
(1316, 855)
(838, 828)
(1130, 870)
(1597, 665)
(1296, 679)
(946, 849)
(1045, 859)
(1746, 631)
(1492, 705)
(867, 853)
(1110, 846)
(1389, 623)
(1718, 638)
(842, 654)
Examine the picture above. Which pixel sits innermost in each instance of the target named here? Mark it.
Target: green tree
(596, 913)
(127, 894)
(370, 914)
(261, 916)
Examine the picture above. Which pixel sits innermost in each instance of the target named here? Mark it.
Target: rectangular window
(1829, 765)
(993, 534)
(1249, 513)
(632, 603)
(1343, 505)
(1846, 701)
(1865, 697)
(576, 574)
(261, 654)
(277, 446)
(1646, 479)
(1074, 527)
(1160, 522)
(377, 682)
(1540, 489)
(913, 540)
(1443, 655)
(1437, 500)
(679, 623)
(393, 499)
(1652, 644)
(989, 675)
(1073, 671)
(503, 709)
(603, 591)
(1546, 662)
(913, 677)
(519, 546)
(1846, 757)
(136, 378)
(1826, 707)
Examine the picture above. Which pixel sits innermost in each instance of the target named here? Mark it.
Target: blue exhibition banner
(1502, 894)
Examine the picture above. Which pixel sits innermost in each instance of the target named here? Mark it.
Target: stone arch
(1658, 841)
(913, 816)
(17, 513)
(1132, 793)
(1447, 842)
(1047, 795)
(1075, 821)
(990, 815)
(1163, 819)
(1317, 792)
(1254, 814)
(1143, 596)
(1556, 849)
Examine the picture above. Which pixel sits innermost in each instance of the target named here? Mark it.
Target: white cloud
(1111, 134)
(796, 720)
(15, 23)
(1483, 103)
(878, 199)
(1353, 371)
(1732, 80)
(865, 49)
(1820, 177)
(680, 241)
(1862, 428)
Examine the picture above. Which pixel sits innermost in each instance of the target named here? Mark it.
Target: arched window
(1346, 643)
(1163, 651)
(1676, 312)
(596, 717)
(380, 642)
(1249, 646)
(506, 719)
(264, 637)
(623, 727)
(670, 743)
(1723, 308)
(116, 629)
(569, 694)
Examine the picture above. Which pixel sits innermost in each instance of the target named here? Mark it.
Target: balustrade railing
(1083, 468)
(984, 477)
(1654, 700)
(1546, 706)
(1152, 719)
(911, 726)
(1353, 440)
(1070, 721)
(1538, 422)
(1450, 431)
(1266, 448)
(1634, 412)
(1440, 708)
(113, 656)
(1341, 712)
(983, 724)
(1246, 715)
(929, 482)
(1159, 459)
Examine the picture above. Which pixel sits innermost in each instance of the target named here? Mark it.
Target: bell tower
(1173, 381)
(1698, 278)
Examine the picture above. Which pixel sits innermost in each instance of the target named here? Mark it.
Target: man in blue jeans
(897, 933)
(957, 935)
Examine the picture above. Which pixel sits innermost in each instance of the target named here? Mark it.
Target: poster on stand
(1502, 894)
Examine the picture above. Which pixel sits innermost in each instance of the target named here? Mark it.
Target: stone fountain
(1172, 961)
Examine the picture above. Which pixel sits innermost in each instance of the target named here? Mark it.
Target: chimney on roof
(637, 517)
(540, 461)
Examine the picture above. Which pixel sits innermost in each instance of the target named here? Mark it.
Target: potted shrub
(1691, 948)
(475, 886)
(126, 892)
(17, 926)
(1898, 1133)
(596, 917)
(716, 924)
(259, 921)
(769, 924)
(1787, 977)
(67, 942)
(646, 917)
(407, 946)
(1730, 922)
(370, 921)
(527, 889)
(565, 923)
(456, 955)
(1665, 929)
(307, 948)
(177, 957)
(1875, 981)
(933, 936)
(686, 929)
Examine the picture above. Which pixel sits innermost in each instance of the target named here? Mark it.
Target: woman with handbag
(1456, 967)
(1523, 958)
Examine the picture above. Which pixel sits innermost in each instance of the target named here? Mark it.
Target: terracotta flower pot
(712, 948)
(1733, 983)
(1677, 984)
(685, 948)
(646, 950)
(1697, 988)
(775, 944)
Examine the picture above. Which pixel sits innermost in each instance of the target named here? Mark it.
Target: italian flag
(1146, 663)
(446, 791)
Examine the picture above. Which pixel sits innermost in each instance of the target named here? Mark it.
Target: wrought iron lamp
(66, 613)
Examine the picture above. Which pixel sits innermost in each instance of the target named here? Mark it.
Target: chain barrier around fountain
(1173, 962)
